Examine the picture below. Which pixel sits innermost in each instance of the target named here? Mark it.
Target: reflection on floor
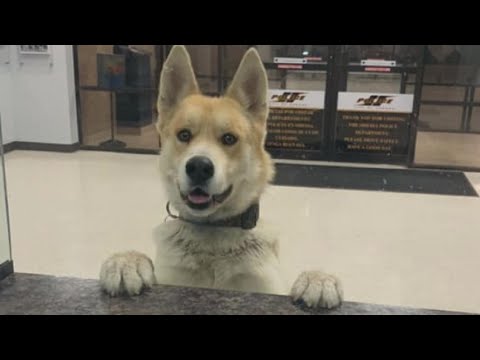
(435, 148)
(70, 211)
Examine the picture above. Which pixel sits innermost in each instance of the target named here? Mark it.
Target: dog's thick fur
(189, 254)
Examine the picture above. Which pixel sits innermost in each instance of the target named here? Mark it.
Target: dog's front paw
(317, 290)
(127, 273)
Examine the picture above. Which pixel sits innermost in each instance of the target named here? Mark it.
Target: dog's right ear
(177, 81)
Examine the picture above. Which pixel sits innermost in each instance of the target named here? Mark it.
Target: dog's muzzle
(199, 199)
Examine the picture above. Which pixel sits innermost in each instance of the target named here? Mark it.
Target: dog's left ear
(250, 85)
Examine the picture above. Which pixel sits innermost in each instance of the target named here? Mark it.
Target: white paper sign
(297, 99)
(376, 102)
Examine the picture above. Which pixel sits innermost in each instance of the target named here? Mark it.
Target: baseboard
(6, 269)
(34, 146)
(8, 147)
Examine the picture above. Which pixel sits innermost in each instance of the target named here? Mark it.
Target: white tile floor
(70, 211)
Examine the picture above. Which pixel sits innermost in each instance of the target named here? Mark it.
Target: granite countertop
(49, 295)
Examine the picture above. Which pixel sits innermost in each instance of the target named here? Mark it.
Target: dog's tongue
(198, 197)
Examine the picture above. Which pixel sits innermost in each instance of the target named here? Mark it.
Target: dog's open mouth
(198, 199)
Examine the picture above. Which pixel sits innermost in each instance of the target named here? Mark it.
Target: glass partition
(5, 253)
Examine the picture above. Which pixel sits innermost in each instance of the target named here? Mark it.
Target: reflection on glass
(344, 210)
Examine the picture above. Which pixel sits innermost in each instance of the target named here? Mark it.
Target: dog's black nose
(199, 169)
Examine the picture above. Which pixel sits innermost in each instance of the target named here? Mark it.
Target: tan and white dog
(214, 169)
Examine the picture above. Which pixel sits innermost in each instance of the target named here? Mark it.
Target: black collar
(246, 220)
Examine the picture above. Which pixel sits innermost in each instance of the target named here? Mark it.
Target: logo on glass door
(288, 97)
(375, 100)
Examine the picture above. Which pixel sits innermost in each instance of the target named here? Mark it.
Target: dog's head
(212, 156)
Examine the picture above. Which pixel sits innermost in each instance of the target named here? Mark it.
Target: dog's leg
(317, 290)
(127, 273)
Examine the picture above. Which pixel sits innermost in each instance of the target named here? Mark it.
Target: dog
(214, 169)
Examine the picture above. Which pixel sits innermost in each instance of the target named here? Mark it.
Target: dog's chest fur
(206, 256)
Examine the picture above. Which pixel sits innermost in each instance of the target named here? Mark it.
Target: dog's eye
(229, 139)
(184, 135)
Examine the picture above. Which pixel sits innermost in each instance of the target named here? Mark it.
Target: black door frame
(342, 71)
(330, 99)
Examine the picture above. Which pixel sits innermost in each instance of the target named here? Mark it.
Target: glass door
(5, 253)
(298, 81)
(376, 106)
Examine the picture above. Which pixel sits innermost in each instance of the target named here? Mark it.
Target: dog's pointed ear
(177, 80)
(250, 85)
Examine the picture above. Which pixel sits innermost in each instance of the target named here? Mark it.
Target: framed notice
(110, 71)
(373, 123)
(295, 120)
